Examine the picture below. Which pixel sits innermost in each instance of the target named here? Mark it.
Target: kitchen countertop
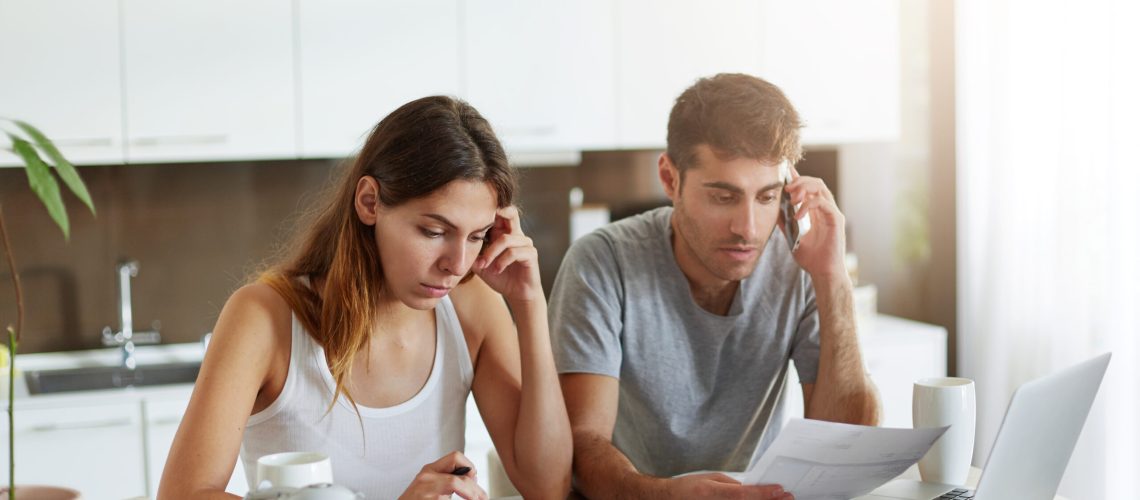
(146, 355)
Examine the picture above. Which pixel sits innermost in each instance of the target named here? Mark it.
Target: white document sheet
(817, 460)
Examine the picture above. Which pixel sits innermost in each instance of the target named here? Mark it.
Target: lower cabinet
(113, 451)
(96, 449)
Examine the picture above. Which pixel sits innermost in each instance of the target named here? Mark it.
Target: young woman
(365, 343)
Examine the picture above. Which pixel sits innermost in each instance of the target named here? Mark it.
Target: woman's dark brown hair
(412, 152)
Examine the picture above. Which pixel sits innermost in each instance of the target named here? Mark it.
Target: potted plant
(27, 143)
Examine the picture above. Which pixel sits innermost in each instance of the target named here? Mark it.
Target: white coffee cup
(938, 402)
(293, 469)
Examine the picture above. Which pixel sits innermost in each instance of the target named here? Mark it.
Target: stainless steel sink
(109, 377)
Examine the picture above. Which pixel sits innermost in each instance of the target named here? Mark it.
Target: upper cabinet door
(838, 61)
(209, 80)
(542, 72)
(60, 61)
(665, 46)
(361, 59)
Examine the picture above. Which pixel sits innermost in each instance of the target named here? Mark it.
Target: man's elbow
(859, 407)
(872, 413)
(869, 408)
(589, 451)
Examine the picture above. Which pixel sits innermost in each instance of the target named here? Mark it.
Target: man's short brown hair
(738, 116)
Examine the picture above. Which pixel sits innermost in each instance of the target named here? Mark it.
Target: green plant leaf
(65, 168)
(42, 183)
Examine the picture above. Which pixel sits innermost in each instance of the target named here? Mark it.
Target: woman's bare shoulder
(259, 295)
(255, 310)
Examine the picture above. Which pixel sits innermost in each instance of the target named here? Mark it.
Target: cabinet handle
(88, 142)
(183, 140)
(164, 421)
(99, 424)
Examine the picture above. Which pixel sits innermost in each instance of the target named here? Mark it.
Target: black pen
(461, 471)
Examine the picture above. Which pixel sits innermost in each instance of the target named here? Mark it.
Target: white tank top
(381, 459)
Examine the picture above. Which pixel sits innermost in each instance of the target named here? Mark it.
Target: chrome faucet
(126, 338)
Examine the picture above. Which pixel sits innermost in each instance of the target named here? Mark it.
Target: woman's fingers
(430, 484)
(450, 462)
(506, 247)
(439, 479)
(512, 215)
(501, 244)
(512, 255)
(464, 486)
(507, 233)
(506, 223)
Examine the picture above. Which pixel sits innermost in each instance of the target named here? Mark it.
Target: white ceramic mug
(293, 469)
(941, 401)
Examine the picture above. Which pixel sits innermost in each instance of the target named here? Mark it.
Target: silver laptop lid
(1040, 429)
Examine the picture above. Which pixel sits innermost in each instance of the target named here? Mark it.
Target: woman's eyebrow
(452, 225)
(442, 219)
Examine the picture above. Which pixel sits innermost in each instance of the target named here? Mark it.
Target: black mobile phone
(788, 214)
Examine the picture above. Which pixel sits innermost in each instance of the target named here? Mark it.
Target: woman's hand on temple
(509, 260)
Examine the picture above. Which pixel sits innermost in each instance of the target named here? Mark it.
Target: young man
(673, 329)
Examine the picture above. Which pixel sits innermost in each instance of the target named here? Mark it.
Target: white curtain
(1048, 153)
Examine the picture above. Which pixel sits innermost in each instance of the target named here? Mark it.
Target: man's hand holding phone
(807, 202)
(788, 222)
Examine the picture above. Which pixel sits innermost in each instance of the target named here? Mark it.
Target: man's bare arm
(600, 469)
(842, 391)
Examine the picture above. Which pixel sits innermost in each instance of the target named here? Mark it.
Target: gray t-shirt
(698, 391)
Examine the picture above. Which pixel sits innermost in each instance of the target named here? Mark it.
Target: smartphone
(788, 215)
(788, 210)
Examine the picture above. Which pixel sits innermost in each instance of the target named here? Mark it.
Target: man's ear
(670, 176)
(367, 200)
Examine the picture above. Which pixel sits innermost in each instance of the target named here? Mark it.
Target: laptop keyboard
(956, 494)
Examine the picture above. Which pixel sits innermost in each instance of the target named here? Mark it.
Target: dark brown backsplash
(199, 231)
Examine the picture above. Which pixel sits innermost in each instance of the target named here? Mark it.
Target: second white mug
(938, 402)
(293, 469)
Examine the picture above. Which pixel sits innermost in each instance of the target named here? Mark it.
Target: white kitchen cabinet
(897, 352)
(359, 60)
(542, 72)
(161, 419)
(209, 80)
(97, 449)
(665, 46)
(136, 81)
(838, 62)
(62, 75)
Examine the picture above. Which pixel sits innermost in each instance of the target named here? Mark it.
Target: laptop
(1033, 445)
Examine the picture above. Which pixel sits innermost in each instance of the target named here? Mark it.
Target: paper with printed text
(816, 460)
